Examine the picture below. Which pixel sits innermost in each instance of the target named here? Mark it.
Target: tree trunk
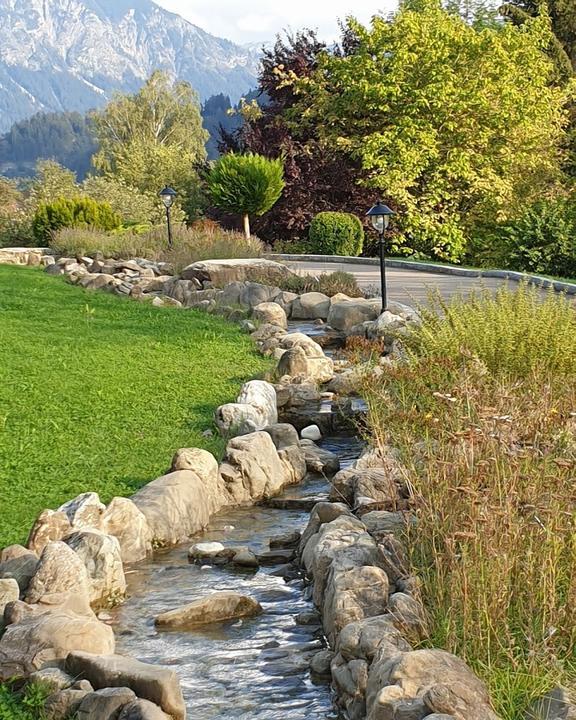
(247, 225)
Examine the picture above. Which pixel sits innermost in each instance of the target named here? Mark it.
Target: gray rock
(150, 682)
(21, 568)
(50, 525)
(311, 306)
(84, 511)
(59, 571)
(142, 710)
(287, 540)
(283, 435)
(215, 608)
(52, 679)
(9, 592)
(101, 555)
(104, 704)
(254, 410)
(181, 503)
(39, 639)
(558, 704)
(346, 312)
(271, 313)
(63, 704)
(245, 558)
(319, 460)
(129, 526)
(320, 665)
(311, 432)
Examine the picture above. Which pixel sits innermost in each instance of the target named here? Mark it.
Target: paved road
(403, 285)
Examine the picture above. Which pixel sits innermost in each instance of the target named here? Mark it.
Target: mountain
(71, 55)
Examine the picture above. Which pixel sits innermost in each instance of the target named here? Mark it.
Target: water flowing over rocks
(329, 593)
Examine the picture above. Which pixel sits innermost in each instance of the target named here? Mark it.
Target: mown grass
(97, 392)
(483, 411)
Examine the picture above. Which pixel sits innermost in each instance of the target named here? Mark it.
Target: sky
(246, 21)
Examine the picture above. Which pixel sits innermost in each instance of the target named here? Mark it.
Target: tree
(317, 179)
(52, 181)
(457, 126)
(153, 137)
(246, 184)
(65, 137)
(562, 14)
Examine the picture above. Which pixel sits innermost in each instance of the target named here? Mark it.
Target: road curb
(427, 267)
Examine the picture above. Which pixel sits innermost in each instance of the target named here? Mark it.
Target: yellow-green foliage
(80, 212)
(455, 124)
(483, 411)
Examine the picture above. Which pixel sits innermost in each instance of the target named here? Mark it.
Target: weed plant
(482, 408)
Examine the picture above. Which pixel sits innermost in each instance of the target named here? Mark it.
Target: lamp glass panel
(167, 200)
(378, 223)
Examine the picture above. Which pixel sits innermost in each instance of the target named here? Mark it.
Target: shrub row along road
(404, 286)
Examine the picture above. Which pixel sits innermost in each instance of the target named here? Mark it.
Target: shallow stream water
(253, 669)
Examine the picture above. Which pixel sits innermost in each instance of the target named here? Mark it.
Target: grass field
(97, 392)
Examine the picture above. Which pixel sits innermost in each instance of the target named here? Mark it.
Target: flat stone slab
(216, 608)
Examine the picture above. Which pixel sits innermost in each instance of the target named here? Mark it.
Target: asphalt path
(404, 286)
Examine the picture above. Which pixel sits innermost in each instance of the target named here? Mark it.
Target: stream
(255, 668)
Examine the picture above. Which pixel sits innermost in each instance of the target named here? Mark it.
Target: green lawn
(96, 391)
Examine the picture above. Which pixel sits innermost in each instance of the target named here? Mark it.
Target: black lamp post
(380, 216)
(168, 196)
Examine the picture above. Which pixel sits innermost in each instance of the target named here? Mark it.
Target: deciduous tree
(456, 125)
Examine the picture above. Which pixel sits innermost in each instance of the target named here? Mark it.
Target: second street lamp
(168, 196)
(380, 215)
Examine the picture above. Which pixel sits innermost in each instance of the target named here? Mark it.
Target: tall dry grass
(205, 241)
(483, 410)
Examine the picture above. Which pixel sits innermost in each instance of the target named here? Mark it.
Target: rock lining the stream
(215, 608)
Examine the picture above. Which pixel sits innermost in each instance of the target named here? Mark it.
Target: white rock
(312, 432)
(206, 549)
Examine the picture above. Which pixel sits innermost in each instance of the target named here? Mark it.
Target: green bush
(25, 704)
(81, 212)
(336, 233)
(540, 240)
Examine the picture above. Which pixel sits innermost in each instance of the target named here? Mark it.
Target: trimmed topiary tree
(246, 184)
(72, 212)
(336, 233)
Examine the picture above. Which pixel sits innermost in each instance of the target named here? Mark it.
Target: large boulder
(252, 469)
(41, 639)
(311, 306)
(142, 710)
(20, 568)
(84, 511)
(346, 312)
(221, 272)
(180, 504)
(124, 521)
(254, 410)
(50, 525)
(271, 313)
(319, 460)
(60, 572)
(9, 592)
(104, 704)
(157, 684)
(216, 608)
(433, 680)
(305, 361)
(101, 555)
(352, 594)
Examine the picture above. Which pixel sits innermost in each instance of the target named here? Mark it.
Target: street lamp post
(380, 215)
(168, 196)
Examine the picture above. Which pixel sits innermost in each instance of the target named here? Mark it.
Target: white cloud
(260, 20)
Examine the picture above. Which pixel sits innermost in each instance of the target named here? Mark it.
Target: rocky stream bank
(271, 584)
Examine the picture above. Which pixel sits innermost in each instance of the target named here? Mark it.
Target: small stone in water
(312, 432)
(228, 528)
(206, 549)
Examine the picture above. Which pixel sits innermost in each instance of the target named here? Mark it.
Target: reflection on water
(253, 669)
